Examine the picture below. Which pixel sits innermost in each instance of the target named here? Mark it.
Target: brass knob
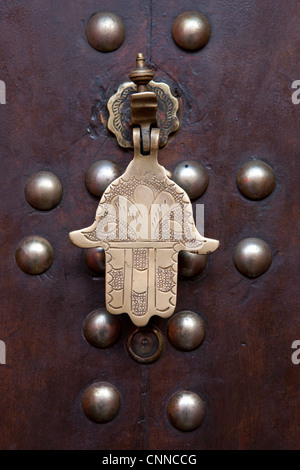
(43, 190)
(191, 30)
(186, 331)
(252, 257)
(186, 410)
(34, 255)
(95, 259)
(101, 402)
(99, 176)
(256, 180)
(101, 329)
(190, 264)
(105, 31)
(192, 177)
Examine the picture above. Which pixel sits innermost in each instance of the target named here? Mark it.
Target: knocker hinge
(143, 104)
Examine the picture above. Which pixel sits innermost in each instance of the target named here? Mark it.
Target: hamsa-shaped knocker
(142, 222)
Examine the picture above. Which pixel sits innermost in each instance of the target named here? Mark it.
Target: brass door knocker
(143, 221)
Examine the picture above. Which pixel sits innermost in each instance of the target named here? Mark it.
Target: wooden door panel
(235, 97)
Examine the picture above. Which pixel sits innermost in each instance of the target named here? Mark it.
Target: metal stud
(252, 257)
(95, 259)
(256, 180)
(43, 190)
(191, 264)
(101, 402)
(186, 331)
(145, 345)
(101, 329)
(191, 30)
(192, 177)
(100, 175)
(186, 411)
(34, 255)
(105, 31)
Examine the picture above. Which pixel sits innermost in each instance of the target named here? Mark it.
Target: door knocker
(144, 219)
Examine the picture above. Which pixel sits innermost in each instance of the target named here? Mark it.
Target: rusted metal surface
(235, 96)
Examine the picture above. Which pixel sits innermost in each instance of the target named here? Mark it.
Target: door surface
(235, 106)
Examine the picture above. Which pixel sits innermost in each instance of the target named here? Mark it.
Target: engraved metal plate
(119, 112)
(142, 222)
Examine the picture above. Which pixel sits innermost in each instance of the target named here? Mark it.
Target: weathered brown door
(236, 106)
